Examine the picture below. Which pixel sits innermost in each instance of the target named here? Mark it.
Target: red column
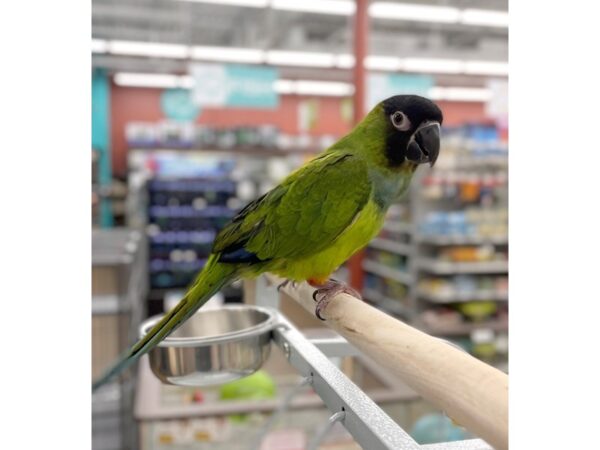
(361, 36)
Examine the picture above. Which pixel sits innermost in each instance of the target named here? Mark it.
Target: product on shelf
(463, 288)
(470, 222)
(184, 216)
(188, 135)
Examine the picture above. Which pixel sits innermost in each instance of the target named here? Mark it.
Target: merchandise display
(187, 135)
(444, 252)
(201, 108)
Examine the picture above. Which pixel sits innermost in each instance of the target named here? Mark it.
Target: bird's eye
(400, 121)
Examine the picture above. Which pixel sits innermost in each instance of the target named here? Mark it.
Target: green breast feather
(311, 223)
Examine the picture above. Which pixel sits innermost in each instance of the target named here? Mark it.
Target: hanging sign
(234, 85)
(177, 105)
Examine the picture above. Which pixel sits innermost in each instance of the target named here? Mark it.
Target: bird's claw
(285, 283)
(329, 290)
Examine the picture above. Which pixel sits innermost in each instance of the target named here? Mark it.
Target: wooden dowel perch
(472, 393)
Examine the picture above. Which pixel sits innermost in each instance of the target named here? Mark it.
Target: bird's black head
(413, 125)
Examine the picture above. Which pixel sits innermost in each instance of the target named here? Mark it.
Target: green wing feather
(304, 214)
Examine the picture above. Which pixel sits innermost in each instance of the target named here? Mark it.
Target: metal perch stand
(471, 392)
(234, 341)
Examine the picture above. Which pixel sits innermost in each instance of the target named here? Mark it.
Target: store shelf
(236, 151)
(386, 303)
(387, 272)
(398, 227)
(463, 328)
(462, 240)
(108, 304)
(463, 296)
(449, 268)
(190, 211)
(474, 162)
(391, 246)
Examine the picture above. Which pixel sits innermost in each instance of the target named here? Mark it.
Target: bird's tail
(213, 277)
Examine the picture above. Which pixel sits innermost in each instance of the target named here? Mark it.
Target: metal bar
(372, 428)
(470, 444)
(324, 431)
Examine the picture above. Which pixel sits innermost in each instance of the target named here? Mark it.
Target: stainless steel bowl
(213, 346)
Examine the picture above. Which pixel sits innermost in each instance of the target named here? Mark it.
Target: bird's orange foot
(326, 291)
(285, 283)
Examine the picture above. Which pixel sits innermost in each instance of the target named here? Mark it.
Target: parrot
(315, 219)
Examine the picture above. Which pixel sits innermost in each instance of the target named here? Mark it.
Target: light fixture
(432, 65)
(298, 87)
(284, 86)
(344, 61)
(379, 10)
(99, 46)
(154, 49)
(154, 80)
(392, 63)
(247, 3)
(406, 11)
(311, 87)
(460, 94)
(307, 59)
(186, 81)
(301, 59)
(484, 17)
(326, 88)
(486, 68)
(229, 54)
(338, 7)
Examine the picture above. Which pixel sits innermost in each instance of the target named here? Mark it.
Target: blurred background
(198, 107)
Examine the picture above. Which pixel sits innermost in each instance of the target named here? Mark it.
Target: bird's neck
(389, 187)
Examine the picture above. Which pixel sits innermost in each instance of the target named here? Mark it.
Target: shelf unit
(423, 256)
(119, 285)
(181, 197)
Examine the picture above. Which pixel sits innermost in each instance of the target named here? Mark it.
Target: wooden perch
(472, 393)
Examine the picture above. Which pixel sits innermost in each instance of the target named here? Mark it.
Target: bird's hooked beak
(424, 145)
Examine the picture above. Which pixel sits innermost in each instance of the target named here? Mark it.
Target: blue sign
(177, 105)
(234, 85)
(383, 85)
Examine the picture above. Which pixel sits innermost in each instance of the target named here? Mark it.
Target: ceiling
(202, 24)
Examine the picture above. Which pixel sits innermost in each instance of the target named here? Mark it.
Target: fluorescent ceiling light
(148, 49)
(333, 88)
(341, 7)
(304, 59)
(248, 3)
(229, 54)
(186, 81)
(379, 10)
(310, 87)
(485, 18)
(486, 68)
(99, 46)
(430, 65)
(155, 80)
(405, 11)
(298, 87)
(383, 63)
(288, 58)
(284, 86)
(344, 61)
(460, 94)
